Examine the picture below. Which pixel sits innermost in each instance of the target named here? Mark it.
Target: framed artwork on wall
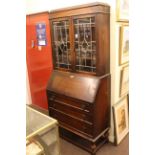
(128, 102)
(124, 81)
(123, 44)
(120, 111)
(122, 10)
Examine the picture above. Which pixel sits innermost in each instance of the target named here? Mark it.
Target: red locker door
(39, 59)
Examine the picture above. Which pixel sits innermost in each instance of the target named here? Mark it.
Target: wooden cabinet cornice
(96, 7)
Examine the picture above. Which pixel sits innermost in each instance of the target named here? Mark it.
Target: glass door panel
(85, 44)
(61, 44)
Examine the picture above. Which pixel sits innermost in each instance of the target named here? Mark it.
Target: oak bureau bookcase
(78, 90)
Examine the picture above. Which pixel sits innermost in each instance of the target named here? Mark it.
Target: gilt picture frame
(123, 44)
(120, 111)
(124, 81)
(122, 10)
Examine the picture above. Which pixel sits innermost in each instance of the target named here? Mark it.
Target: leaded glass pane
(85, 44)
(61, 44)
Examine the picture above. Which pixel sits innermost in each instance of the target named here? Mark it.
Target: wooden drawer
(71, 110)
(73, 122)
(77, 104)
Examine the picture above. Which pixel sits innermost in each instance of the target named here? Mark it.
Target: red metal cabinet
(39, 59)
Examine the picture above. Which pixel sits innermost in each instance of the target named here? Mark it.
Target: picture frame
(122, 10)
(123, 44)
(128, 102)
(124, 81)
(121, 122)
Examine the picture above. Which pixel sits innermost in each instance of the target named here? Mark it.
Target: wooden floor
(67, 148)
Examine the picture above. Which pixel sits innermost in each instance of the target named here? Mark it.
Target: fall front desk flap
(82, 87)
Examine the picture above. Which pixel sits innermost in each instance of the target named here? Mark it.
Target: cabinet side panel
(102, 107)
(103, 47)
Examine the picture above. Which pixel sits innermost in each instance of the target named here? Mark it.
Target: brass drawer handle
(86, 110)
(85, 107)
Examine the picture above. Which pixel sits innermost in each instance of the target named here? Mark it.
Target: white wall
(34, 6)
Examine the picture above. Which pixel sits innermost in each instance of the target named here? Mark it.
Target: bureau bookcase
(78, 90)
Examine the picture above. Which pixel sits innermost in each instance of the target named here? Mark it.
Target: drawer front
(73, 122)
(68, 109)
(80, 105)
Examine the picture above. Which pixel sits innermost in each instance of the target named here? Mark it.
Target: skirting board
(111, 139)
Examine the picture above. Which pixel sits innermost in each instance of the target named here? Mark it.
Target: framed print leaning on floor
(123, 44)
(120, 110)
(122, 10)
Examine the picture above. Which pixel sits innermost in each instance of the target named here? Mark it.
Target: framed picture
(128, 102)
(122, 10)
(120, 110)
(123, 44)
(124, 81)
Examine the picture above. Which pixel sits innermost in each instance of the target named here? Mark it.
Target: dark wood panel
(103, 43)
(82, 142)
(68, 101)
(71, 110)
(74, 85)
(75, 122)
(102, 107)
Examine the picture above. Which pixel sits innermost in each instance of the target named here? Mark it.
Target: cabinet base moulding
(87, 145)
